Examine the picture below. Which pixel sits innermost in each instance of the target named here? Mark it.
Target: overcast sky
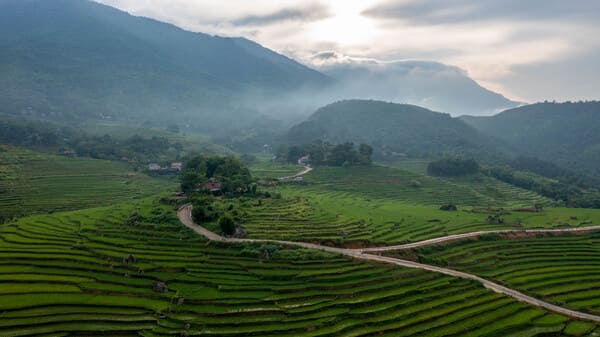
(529, 50)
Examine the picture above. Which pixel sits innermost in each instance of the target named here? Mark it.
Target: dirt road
(185, 216)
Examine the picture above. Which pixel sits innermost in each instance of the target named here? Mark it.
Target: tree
(365, 152)
(227, 224)
(230, 173)
(201, 214)
(343, 155)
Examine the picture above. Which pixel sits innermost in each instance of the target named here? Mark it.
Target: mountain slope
(68, 58)
(563, 133)
(429, 84)
(395, 130)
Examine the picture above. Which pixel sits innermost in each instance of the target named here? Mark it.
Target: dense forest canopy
(78, 143)
(563, 133)
(395, 131)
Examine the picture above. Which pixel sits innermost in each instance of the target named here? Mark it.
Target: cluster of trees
(28, 134)
(206, 210)
(134, 148)
(452, 167)
(570, 194)
(232, 177)
(326, 154)
(553, 171)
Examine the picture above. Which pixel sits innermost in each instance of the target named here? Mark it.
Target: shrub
(448, 207)
(227, 224)
(202, 214)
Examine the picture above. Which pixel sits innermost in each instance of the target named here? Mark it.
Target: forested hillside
(395, 131)
(72, 59)
(563, 133)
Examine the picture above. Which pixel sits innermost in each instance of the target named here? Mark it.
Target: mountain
(76, 58)
(429, 84)
(564, 133)
(395, 130)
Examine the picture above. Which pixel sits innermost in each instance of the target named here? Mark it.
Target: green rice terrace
(561, 269)
(341, 213)
(133, 269)
(400, 185)
(38, 182)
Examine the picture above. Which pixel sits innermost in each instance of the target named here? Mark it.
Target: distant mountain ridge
(72, 58)
(395, 130)
(433, 85)
(567, 134)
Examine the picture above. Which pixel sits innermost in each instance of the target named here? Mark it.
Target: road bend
(185, 216)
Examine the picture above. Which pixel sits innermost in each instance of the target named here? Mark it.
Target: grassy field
(32, 182)
(560, 269)
(63, 274)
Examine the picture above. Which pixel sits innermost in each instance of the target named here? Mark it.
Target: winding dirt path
(185, 216)
(304, 171)
(455, 237)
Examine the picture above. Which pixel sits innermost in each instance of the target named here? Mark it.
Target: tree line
(571, 195)
(321, 153)
(67, 140)
(452, 167)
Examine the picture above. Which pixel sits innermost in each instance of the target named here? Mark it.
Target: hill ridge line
(184, 213)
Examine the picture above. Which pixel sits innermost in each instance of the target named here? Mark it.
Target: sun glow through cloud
(347, 26)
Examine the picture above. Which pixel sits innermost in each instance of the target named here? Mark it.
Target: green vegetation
(355, 206)
(562, 133)
(223, 174)
(109, 65)
(227, 224)
(324, 154)
(570, 194)
(452, 167)
(395, 131)
(72, 273)
(560, 269)
(32, 182)
(77, 143)
(264, 167)
(379, 182)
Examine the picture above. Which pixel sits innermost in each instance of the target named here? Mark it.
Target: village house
(176, 166)
(154, 167)
(212, 186)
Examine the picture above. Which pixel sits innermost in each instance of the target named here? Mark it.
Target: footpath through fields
(304, 171)
(185, 216)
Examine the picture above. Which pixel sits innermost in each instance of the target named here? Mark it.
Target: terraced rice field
(390, 183)
(35, 182)
(265, 168)
(560, 269)
(63, 274)
(351, 219)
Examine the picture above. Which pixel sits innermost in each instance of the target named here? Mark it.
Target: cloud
(312, 12)
(492, 40)
(460, 11)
